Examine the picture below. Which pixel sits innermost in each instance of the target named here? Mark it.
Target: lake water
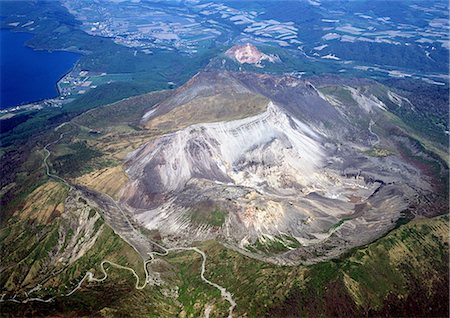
(28, 75)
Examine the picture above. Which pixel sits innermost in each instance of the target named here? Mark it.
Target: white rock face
(271, 166)
(368, 103)
(281, 176)
(248, 53)
(219, 151)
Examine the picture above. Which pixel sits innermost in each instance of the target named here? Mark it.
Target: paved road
(123, 226)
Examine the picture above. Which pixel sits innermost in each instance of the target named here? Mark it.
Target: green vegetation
(292, 60)
(127, 111)
(278, 244)
(103, 95)
(131, 75)
(383, 277)
(429, 163)
(429, 116)
(225, 106)
(92, 213)
(216, 217)
(22, 158)
(339, 223)
(369, 276)
(408, 57)
(359, 282)
(365, 281)
(30, 249)
(341, 94)
(103, 54)
(25, 248)
(77, 162)
(193, 292)
(378, 152)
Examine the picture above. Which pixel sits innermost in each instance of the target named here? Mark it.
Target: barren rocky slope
(248, 53)
(307, 176)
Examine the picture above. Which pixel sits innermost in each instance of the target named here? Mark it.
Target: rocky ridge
(291, 182)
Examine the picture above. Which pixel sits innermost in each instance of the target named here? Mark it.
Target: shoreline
(56, 84)
(58, 88)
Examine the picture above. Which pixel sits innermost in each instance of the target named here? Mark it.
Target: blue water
(28, 75)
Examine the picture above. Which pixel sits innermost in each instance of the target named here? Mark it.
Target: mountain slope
(401, 273)
(308, 178)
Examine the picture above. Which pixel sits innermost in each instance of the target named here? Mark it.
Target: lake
(28, 75)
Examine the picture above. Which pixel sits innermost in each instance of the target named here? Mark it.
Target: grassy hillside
(383, 278)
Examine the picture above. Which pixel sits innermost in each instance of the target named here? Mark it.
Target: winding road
(118, 220)
(48, 153)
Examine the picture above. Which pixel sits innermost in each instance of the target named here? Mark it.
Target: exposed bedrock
(288, 182)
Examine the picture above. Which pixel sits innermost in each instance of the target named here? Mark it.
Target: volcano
(280, 168)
